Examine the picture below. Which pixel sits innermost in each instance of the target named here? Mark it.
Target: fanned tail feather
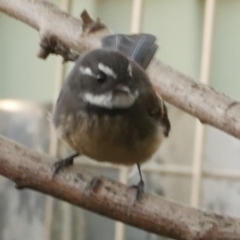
(140, 48)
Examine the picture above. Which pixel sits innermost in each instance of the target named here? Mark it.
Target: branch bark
(201, 101)
(29, 169)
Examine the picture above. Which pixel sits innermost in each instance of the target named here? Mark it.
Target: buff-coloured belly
(104, 141)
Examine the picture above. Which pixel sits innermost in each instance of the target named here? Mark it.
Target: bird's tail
(140, 48)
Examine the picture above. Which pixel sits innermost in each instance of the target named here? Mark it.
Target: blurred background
(198, 165)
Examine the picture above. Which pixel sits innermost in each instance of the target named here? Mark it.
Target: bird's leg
(59, 165)
(140, 185)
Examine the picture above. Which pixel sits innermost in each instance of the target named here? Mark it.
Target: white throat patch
(110, 101)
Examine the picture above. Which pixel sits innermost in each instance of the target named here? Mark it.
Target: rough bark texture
(200, 101)
(33, 170)
(51, 22)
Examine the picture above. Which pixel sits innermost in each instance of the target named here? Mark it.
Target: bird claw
(140, 189)
(59, 165)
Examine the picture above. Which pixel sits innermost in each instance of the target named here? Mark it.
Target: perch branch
(29, 169)
(203, 102)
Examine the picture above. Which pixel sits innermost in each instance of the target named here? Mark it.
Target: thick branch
(201, 101)
(50, 21)
(101, 195)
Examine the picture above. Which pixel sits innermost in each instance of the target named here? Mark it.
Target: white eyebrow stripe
(107, 70)
(130, 69)
(86, 71)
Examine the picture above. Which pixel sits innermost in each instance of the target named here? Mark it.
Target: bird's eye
(101, 77)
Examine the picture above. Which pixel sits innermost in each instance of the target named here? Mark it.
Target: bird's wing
(164, 115)
(156, 108)
(140, 48)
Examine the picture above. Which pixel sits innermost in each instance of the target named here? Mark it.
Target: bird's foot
(59, 165)
(140, 189)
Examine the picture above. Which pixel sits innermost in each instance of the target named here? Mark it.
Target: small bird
(108, 109)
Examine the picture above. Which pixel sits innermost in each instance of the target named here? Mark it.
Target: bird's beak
(123, 88)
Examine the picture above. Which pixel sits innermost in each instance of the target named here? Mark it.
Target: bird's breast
(115, 139)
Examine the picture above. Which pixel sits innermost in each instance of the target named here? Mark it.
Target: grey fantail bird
(108, 109)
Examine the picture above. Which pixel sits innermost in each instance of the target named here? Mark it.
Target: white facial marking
(123, 88)
(110, 101)
(107, 70)
(130, 69)
(161, 103)
(86, 71)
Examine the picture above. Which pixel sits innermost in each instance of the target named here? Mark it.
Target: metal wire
(210, 6)
(169, 169)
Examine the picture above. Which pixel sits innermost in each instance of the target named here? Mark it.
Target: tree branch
(201, 101)
(50, 21)
(98, 194)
